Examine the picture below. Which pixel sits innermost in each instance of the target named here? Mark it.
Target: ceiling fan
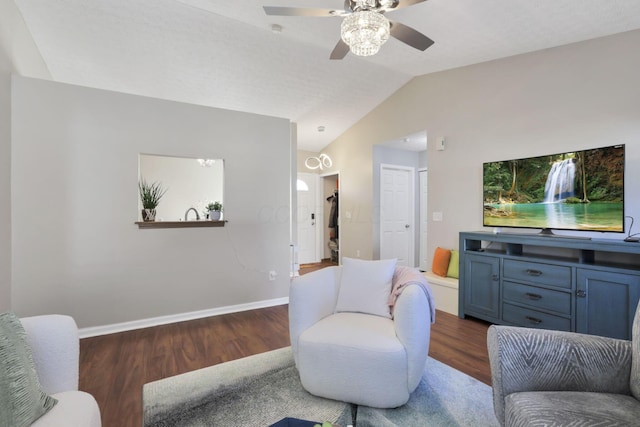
(364, 28)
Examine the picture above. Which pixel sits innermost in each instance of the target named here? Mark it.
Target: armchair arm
(412, 321)
(312, 297)
(55, 346)
(524, 359)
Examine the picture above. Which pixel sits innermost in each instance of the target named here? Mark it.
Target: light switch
(437, 216)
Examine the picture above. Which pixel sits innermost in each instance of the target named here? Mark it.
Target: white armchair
(55, 348)
(354, 357)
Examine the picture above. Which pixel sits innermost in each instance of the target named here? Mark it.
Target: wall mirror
(190, 183)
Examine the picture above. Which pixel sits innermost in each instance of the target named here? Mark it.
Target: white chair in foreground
(55, 347)
(342, 350)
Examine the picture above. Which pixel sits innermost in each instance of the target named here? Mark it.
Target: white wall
(572, 97)
(17, 54)
(76, 249)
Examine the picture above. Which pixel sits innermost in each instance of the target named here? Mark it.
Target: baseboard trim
(174, 318)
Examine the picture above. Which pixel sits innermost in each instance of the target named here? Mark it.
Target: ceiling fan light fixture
(365, 31)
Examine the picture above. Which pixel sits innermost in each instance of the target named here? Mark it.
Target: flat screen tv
(579, 190)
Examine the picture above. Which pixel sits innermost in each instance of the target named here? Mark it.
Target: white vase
(214, 215)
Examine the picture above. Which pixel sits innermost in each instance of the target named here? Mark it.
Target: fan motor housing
(373, 5)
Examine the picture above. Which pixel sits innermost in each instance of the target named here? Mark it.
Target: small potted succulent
(215, 209)
(150, 195)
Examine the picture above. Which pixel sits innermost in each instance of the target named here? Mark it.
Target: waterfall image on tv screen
(581, 190)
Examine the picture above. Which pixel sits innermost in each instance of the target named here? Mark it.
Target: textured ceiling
(224, 54)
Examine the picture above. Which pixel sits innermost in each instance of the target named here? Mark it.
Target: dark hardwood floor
(113, 368)
(461, 344)
(308, 268)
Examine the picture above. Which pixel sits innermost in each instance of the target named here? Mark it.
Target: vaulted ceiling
(224, 53)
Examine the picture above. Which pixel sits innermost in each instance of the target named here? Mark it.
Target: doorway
(331, 217)
(308, 215)
(397, 214)
(409, 152)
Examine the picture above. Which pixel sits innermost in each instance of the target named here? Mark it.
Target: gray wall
(422, 159)
(76, 249)
(18, 54)
(5, 181)
(571, 97)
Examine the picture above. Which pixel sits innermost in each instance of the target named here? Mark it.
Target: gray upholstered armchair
(551, 378)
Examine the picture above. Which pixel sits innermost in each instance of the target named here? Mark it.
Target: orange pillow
(441, 261)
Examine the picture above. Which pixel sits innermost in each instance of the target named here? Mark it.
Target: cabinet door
(606, 303)
(482, 287)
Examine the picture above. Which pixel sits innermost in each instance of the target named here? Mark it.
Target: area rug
(263, 389)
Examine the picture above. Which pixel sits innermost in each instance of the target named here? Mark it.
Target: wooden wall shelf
(180, 224)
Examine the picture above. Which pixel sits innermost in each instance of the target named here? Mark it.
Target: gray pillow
(22, 400)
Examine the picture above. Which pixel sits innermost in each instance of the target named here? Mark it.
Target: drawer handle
(531, 272)
(533, 320)
(534, 297)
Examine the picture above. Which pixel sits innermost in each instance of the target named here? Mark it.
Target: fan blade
(299, 11)
(410, 36)
(407, 3)
(340, 51)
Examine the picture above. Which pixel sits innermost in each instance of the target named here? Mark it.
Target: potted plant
(150, 195)
(215, 209)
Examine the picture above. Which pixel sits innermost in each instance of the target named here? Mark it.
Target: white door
(307, 218)
(397, 214)
(423, 220)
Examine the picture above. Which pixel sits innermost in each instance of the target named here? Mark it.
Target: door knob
(406, 226)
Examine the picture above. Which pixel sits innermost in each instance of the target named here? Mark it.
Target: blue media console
(587, 286)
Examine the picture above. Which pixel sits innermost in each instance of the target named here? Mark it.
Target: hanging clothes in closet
(333, 226)
(333, 215)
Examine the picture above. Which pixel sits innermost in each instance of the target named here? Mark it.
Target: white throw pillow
(365, 286)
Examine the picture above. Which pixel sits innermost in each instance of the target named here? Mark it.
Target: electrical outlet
(358, 253)
(272, 275)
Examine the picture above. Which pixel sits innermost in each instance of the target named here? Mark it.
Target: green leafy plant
(215, 207)
(150, 194)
